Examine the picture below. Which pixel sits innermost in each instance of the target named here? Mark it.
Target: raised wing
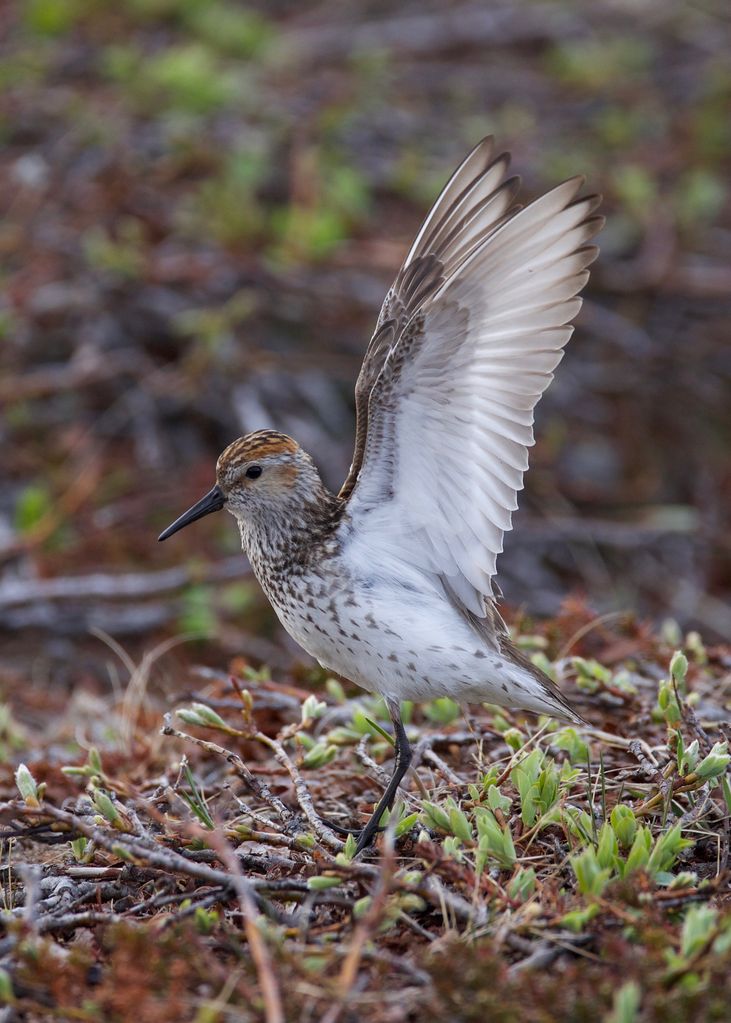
(475, 200)
(459, 368)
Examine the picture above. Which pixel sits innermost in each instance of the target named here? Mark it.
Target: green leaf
(452, 847)
(590, 674)
(726, 789)
(699, 926)
(579, 823)
(497, 801)
(406, 824)
(78, 847)
(442, 710)
(319, 755)
(608, 848)
(577, 919)
(460, 825)
(195, 799)
(494, 841)
(624, 824)
(435, 817)
(514, 738)
(375, 727)
(639, 854)
(361, 906)
(105, 806)
(335, 690)
(321, 882)
(591, 878)
(570, 740)
(687, 756)
(626, 1003)
(522, 886)
(666, 850)
(716, 763)
(33, 504)
(7, 995)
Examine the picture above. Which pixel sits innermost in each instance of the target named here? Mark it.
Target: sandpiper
(390, 583)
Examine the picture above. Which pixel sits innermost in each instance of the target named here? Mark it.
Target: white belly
(389, 629)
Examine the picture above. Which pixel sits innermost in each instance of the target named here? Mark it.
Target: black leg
(401, 766)
(339, 830)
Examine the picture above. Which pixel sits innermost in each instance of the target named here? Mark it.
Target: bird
(390, 583)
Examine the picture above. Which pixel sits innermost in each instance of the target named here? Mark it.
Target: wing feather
(467, 341)
(473, 204)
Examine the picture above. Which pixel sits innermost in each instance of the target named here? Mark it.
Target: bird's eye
(253, 472)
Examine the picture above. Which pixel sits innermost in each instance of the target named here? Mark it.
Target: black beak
(213, 501)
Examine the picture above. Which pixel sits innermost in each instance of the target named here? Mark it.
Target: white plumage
(451, 411)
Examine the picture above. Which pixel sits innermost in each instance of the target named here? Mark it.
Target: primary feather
(466, 344)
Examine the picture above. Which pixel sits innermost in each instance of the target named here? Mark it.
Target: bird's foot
(357, 832)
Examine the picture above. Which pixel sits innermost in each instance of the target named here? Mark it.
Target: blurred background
(203, 203)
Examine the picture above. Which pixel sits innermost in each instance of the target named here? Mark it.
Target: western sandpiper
(390, 583)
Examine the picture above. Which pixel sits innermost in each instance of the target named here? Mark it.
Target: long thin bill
(213, 501)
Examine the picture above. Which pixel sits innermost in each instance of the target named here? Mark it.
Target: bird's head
(261, 478)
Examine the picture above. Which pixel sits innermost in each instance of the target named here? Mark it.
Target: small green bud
(694, 644)
(345, 858)
(312, 708)
(452, 847)
(624, 824)
(679, 666)
(361, 906)
(105, 806)
(205, 919)
(410, 902)
(591, 877)
(514, 738)
(27, 787)
(78, 847)
(319, 755)
(305, 841)
(191, 717)
(335, 690)
(688, 759)
(209, 716)
(435, 816)
(411, 877)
